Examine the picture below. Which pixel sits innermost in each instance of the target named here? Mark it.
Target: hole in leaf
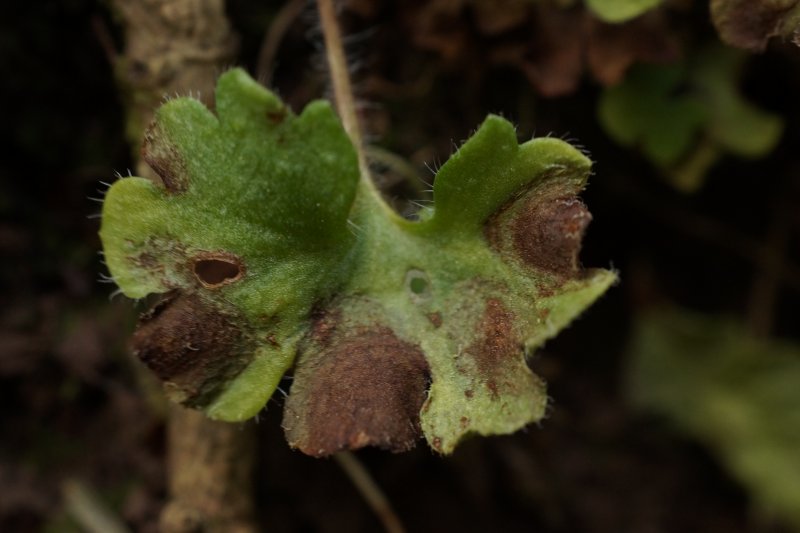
(418, 283)
(215, 271)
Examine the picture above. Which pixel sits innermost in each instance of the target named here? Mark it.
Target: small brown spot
(191, 344)
(469, 393)
(436, 444)
(273, 340)
(492, 386)
(544, 290)
(147, 261)
(464, 422)
(324, 324)
(276, 116)
(436, 319)
(215, 269)
(165, 160)
(362, 387)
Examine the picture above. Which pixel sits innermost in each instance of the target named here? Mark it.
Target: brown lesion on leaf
(272, 339)
(543, 228)
(495, 345)
(355, 386)
(156, 257)
(165, 160)
(277, 116)
(149, 262)
(323, 324)
(216, 269)
(193, 345)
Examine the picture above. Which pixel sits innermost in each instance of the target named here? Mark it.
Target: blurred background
(675, 398)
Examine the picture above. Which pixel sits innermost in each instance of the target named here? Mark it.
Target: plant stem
(210, 475)
(272, 39)
(370, 490)
(342, 89)
(345, 106)
(89, 510)
(178, 47)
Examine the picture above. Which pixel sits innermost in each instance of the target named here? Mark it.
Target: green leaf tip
(271, 256)
(616, 11)
(491, 167)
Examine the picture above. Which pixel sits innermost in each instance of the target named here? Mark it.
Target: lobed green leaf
(273, 256)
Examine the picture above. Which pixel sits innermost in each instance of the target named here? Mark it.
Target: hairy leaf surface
(272, 253)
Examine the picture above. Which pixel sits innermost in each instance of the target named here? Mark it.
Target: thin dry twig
(345, 105)
(88, 509)
(176, 47)
(370, 491)
(105, 40)
(273, 37)
(342, 88)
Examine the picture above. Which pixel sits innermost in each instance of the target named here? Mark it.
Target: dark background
(75, 406)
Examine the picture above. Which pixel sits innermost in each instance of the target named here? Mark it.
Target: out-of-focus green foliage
(738, 395)
(646, 111)
(684, 117)
(620, 10)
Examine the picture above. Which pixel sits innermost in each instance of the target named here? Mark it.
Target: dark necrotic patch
(362, 387)
(193, 345)
(543, 229)
(549, 236)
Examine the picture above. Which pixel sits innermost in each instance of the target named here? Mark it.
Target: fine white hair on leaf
(355, 229)
(114, 294)
(103, 278)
